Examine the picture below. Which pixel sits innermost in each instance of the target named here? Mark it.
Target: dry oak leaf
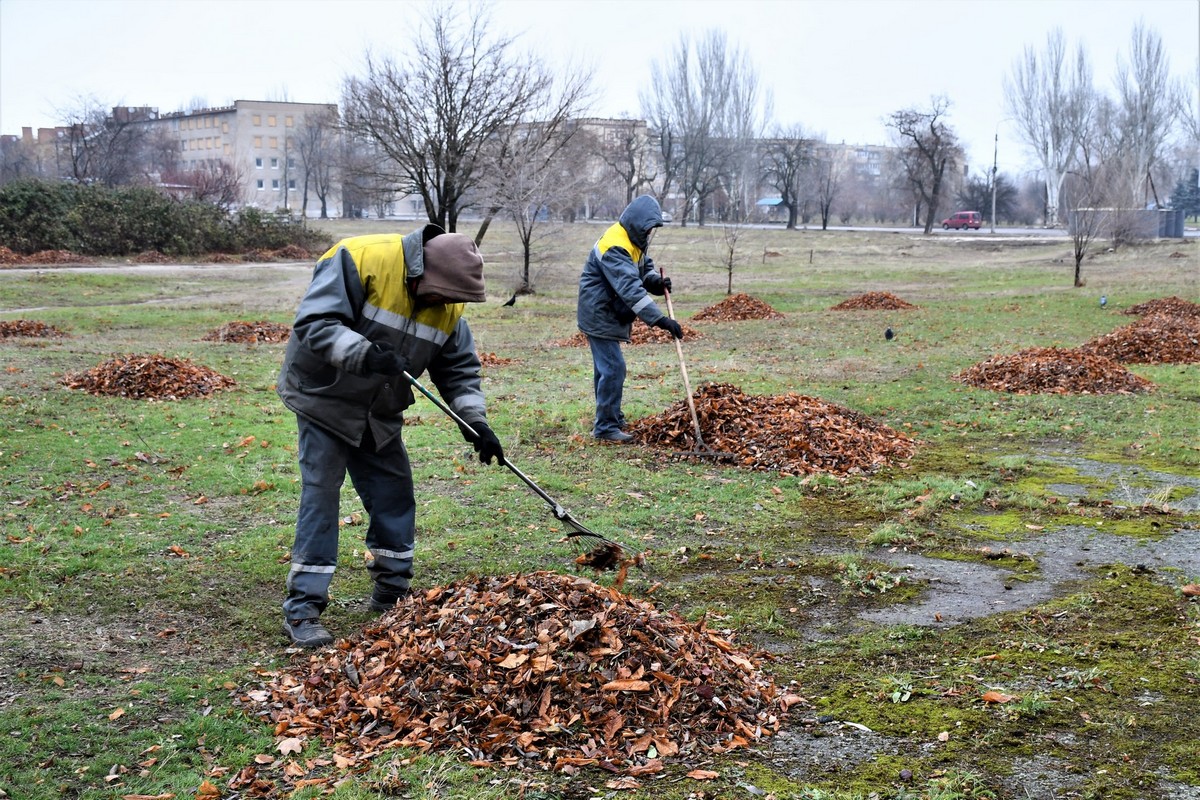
(290, 745)
(207, 790)
(623, 783)
(703, 775)
(626, 686)
(1191, 590)
(997, 697)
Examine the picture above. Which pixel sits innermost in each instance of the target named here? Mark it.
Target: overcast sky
(837, 67)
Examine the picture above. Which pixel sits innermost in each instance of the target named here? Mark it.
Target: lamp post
(995, 159)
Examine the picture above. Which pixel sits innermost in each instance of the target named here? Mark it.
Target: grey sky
(837, 67)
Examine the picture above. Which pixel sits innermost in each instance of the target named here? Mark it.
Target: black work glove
(485, 443)
(654, 283)
(382, 359)
(671, 326)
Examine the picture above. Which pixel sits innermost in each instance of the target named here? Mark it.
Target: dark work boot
(381, 601)
(307, 632)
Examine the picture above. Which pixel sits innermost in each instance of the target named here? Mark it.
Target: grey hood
(638, 219)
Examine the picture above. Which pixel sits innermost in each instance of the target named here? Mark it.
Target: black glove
(382, 359)
(670, 326)
(656, 284)
(485, 443)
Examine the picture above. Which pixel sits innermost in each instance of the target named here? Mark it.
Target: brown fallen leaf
(290, 745)
(703, 775)
(1191, 590)
(997, 697)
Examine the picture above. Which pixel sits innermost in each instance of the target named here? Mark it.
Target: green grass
(145, 543)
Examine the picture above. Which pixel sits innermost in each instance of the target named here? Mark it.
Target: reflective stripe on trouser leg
(314, 550)
(384, 482)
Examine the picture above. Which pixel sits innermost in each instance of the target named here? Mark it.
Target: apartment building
(259, 138)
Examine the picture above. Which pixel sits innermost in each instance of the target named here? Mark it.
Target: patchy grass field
(1006, 616)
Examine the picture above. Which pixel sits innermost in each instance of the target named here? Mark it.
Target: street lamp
(995, 160)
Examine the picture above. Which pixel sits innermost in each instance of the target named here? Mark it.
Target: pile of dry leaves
(640, 333)
(1157, 338)
(493, 360)
(10, 259)
(249, 332)
(148, 378)
(873, 301)
(735, 308)
(792, 434)
(538, 670)
(1053, 370)
(30, 328)
(1172, 306)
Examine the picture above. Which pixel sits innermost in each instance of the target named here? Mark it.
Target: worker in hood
(377, 307)
(614, 289)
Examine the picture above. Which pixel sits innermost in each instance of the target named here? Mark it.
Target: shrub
(118, 221)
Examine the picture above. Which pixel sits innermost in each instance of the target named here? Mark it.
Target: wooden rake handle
(687, 384)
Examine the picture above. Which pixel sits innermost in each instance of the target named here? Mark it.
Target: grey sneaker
(307, 632)
(615, 436)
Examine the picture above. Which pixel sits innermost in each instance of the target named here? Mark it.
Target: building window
(256, 119)
(291, 163)
(274, 163)
(291, 183)
(275, 183)
(274, 142)
(271, 121)
(287, 121)
(258, 163)
(224, 127)
(258, 183)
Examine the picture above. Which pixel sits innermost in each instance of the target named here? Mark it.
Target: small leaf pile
(31, 328)
(640, 333)
(1053, 370)
(873, 301)
(1157, 338)
(736, 308)
(250, 332)
(791, 434)
(8, 258)
(539, 670)
(152, 377)
(1173, 306)
(493, 360)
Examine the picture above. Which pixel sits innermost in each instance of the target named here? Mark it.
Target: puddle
(1129, 483)
(959, 591)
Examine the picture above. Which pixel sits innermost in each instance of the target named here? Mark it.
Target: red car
(963, 219)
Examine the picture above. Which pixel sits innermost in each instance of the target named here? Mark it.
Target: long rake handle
(560, 513)
(687, 384)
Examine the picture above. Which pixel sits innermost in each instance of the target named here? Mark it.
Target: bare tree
(104, 148)
(927, 147)
(18, 160)
(1050, 99)
(706, 105)
(318, 148)
(626, 152)
(1147, 108)
(827, 171)
(785, 161)
(436, 113)
(220, 183)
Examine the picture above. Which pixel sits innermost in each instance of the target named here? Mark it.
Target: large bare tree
(706, 106)
(786, 159)
(1050, 97)
(436, 109)
(318, 147)
(107, 148)
(926, 146)
(1147, 108)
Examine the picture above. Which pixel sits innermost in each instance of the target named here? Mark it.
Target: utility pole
(995, 160)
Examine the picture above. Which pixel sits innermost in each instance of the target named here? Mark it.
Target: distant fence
(1130, 224)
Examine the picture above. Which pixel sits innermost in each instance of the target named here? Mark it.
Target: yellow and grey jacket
(619, 275)
(359, 295)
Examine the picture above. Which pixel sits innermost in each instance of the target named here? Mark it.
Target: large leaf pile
(8, 258)
(13, 328)
(244, 331)
(792, 434)
(1053, 370)
(152, 377)
(1157, 338)
(873, 301)
(1174, 306)
(736, 308)
(538, 670)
